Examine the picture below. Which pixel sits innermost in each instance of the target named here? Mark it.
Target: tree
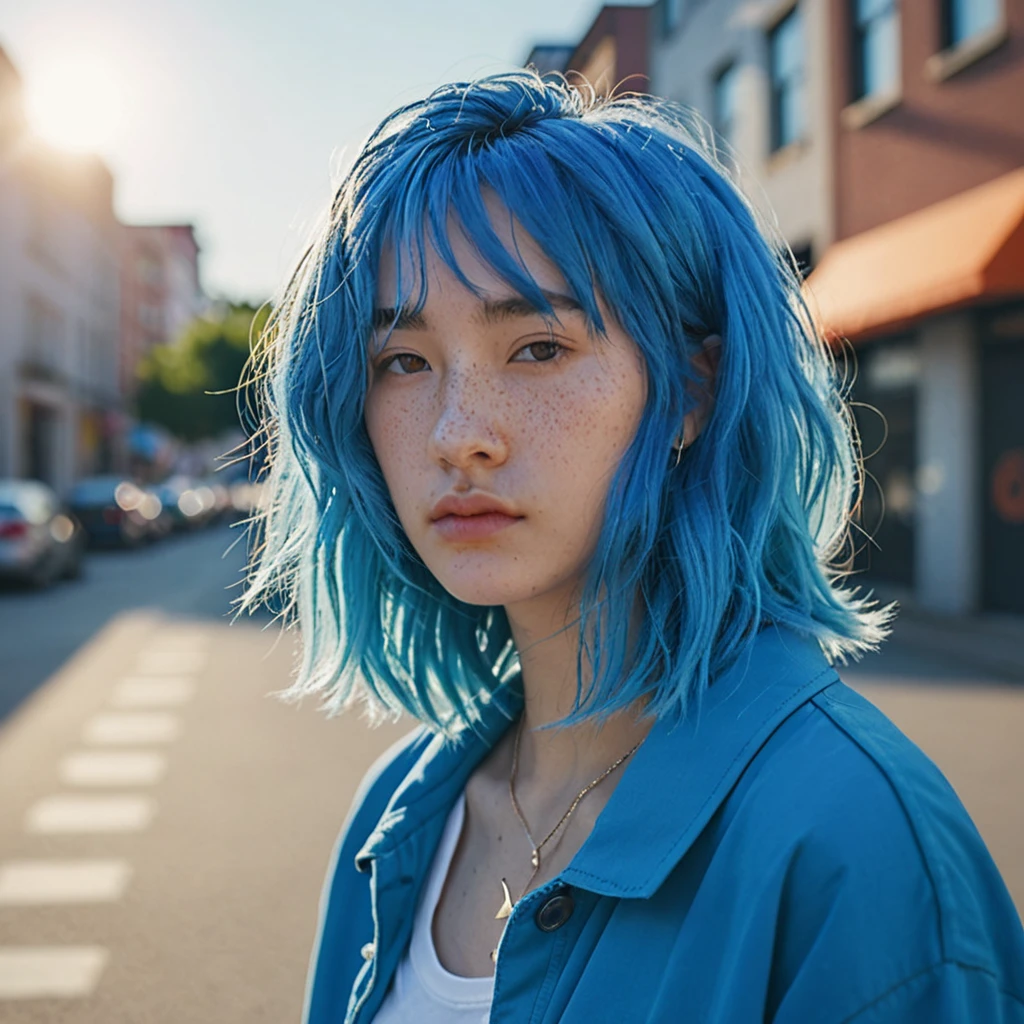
(191, 386)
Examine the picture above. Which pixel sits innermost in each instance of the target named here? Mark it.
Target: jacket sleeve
(346, 916)
(948, 993)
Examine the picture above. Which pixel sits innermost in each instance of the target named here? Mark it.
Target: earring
(679, 446)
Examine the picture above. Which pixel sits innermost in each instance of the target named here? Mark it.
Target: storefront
(1002, 460)
(933, 304)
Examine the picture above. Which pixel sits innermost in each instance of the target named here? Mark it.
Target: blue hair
(625, 197)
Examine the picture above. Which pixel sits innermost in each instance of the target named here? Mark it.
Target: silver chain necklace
(507, 902)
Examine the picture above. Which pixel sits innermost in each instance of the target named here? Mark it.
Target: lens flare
(74, 102)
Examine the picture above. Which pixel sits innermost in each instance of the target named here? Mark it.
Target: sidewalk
(988, 642)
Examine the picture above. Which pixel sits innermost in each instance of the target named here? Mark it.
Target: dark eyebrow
(518, 306)
(401, 319)
(491, 312)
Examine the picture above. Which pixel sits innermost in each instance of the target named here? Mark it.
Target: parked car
(161, 519)
(115, 510)
(221, 497)
(40, 539)
(189, 503)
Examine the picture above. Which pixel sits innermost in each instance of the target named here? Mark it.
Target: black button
(555, 911)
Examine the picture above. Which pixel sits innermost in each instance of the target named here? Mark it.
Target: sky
(237, 115)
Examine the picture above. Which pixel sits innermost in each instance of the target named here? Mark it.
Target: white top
(423, 992)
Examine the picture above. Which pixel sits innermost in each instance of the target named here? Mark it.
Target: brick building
(927, 280)
(160, 290)
(757, 73)
(613, 54)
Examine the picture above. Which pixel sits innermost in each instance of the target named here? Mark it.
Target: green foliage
(191, 386)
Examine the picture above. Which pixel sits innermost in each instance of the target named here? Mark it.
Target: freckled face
(498, 430)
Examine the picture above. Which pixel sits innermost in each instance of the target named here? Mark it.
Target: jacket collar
(427, 793)
(684, 771)
(671, 787)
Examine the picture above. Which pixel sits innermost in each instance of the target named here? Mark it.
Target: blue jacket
(786, 856)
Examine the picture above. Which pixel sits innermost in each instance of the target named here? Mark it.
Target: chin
(489, 582)
(486, 592)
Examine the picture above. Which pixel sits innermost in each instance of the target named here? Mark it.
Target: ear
(705, 367)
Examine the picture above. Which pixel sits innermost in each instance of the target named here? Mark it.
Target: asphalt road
(189, 890)
(165, 822)
(195, 575)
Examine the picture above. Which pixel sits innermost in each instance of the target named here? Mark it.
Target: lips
(472, 517)
(471, 505)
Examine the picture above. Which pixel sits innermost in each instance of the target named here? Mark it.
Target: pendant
(506, 907)
(535, 859)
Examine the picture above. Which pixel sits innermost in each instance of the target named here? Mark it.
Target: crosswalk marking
(154, 692)
(67, 814)
(113, 768)
(171, 662)
(35, 972)
(131, 727)
(181, 639)
(163, 679)
(37, 882)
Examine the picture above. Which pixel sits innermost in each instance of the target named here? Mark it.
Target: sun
(75, 103)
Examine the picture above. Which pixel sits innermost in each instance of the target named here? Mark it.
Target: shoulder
(876, 864)
(379, 784)
(903, 805)
(974, 908)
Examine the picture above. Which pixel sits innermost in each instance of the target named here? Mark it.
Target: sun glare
(74, 103)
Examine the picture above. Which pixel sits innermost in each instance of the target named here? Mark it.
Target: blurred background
(164, 826)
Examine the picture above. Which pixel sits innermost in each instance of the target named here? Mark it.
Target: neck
(560, 761)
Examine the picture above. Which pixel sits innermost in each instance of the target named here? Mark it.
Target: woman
(561, 469)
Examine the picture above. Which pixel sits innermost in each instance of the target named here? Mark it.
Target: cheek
(591, 424)
(395, 434)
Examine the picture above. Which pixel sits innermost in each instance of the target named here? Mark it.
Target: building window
(43, 334)
(150, 317)
(876, 48)
(724, 108)
(672, 14)
(965, 19)
(149, 270)
(786, 56)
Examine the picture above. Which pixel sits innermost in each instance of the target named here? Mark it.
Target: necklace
(507, 904)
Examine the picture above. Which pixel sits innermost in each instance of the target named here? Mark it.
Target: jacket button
(555, 911)
(368, 951)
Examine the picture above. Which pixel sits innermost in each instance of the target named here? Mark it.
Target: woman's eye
(403, 363)
(538, 352)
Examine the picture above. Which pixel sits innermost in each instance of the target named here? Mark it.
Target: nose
(468, 431)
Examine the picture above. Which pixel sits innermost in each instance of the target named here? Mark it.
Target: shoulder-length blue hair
(627, 200)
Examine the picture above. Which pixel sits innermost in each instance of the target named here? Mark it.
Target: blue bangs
(627, 201)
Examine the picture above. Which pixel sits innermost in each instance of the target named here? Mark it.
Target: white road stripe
(130, 727)
(36, 972)
(171, 662)
(113, 768)
(37, 882)
(178, 638)
(154, 692)
(66, 814)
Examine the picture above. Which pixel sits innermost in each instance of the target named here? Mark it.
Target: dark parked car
(189, 504)
(40, 540)
(115, 510)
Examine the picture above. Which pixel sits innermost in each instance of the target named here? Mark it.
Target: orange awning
(940, 258)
